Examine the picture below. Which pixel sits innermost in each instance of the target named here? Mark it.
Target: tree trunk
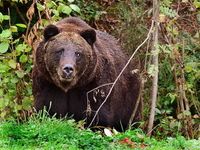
(155, 64)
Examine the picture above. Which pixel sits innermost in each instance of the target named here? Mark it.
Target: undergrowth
(42, 132)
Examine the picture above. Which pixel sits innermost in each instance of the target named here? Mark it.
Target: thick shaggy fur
(104, 62)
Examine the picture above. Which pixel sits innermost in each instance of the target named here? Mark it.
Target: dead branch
(136, 106)
(88, 111)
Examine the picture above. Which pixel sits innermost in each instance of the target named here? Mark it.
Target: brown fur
(105, 61)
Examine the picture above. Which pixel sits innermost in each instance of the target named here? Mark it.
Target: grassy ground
(41, 132)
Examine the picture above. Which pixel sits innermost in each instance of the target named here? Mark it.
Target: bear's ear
(50, 31)
(89, 35)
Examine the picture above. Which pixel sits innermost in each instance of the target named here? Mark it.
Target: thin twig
(128, 62)
(135, 109)
(106, 84)
(87, 96)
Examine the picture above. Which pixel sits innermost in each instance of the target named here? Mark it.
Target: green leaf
(14, 80)
(28, 49)
(196, 4)
(1, 92)
(12, 63)
(26, 103)
(21, 25)
(6, 17)
(4, 68)
(172, 97)
(64, 9)
(40, 7)
(20, 47)
(23, 59)
(18, 107)
(75, 8)
(13, 28)
(6, 34)
(51, 4)
(20, 73)
(1, 103)
(188, 68)
(4, 47)
(55, 12)
(70, 1)
(1, 17)
(152, 69)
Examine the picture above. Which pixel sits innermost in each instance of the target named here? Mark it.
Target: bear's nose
(68, 69)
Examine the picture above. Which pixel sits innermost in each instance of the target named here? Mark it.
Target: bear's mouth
(65, 78)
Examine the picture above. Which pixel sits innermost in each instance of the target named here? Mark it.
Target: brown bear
(74, 58)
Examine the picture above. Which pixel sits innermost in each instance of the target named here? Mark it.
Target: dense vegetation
(178, 104)
(42, 132)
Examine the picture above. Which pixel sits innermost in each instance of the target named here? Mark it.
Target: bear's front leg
(48, 95)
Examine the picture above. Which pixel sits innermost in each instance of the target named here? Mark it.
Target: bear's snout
(68, 71)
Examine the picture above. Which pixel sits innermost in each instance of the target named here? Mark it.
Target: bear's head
(69, 56)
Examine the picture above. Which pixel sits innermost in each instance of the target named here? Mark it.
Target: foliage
(15, 68)
(42, 132)
(179, 70)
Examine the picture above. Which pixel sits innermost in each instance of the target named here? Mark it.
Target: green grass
(44, 133)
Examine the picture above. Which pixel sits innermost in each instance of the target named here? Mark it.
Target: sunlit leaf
(50, 4)
(4, 47)
(1, 17)
(1, 92)
(12, 63)
(6, 17)
(64, 9)
(70, 1)
(28, 49)
(1, 103)
(26, 103)
(13, 28)
(14, 80)
(5, 34)
(40, 7)
(4, 68)
(196, 3)
(20, 73)
(75, 8)
(21, 47)
(55, 12)
(188, 68)
(23, 58)
(21, 25)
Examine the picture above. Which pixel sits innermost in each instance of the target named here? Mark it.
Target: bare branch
(135, 108)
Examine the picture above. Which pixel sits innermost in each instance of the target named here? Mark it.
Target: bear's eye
(78, 54)
(60, 51)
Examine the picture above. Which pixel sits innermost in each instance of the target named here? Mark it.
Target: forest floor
(44, 133)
